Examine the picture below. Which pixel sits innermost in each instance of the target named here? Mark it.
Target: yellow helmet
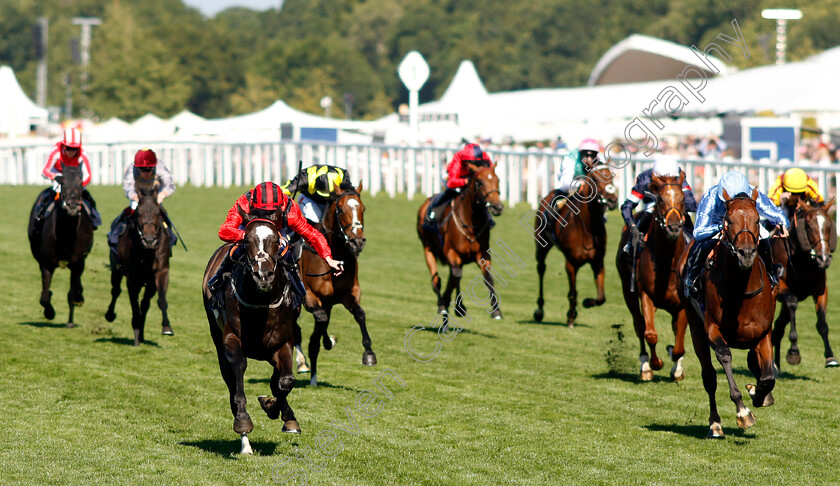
(795, 180)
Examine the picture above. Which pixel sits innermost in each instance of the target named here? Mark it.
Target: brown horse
(256, 322)
(739, 308)
(656, 276)
(806, 257)
(143, 257)
(343, 227)
(576, 226)
(63, 239)
(464, 237)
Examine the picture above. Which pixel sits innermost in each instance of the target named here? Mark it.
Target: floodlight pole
(86, 23)
(41, 76)
(781, 16)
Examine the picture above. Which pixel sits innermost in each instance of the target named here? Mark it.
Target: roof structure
(17, 111)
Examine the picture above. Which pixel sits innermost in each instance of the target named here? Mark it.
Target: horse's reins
(483, 199)
(729, 242)
(275, 260)
(336, 216)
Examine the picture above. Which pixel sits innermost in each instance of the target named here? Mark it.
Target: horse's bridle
(796, 221)
(729, 241)
(275, 260)
(602, 199)
(663, 218)
(337, 215)
(139, 228)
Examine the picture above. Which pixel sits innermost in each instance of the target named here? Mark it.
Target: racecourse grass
(504, 402)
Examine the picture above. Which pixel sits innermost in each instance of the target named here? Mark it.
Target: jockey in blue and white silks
(710, 214)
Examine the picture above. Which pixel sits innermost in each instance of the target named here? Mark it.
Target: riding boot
(436, 205)
(117, 229)
(95, 217)
(222, 275)
(693, 287)
(774, 271)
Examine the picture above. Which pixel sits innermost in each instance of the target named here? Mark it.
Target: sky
(212, 7)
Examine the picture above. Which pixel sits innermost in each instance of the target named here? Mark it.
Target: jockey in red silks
(459, 174)
(265, 199)
(68, 152)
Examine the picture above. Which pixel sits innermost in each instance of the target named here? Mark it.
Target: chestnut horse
(256, 322)
(576, 226)
(142, 256)
(464, 238)
(739, 307)
(343, 225)
(63, 239)
(806, 257)
(656, 276)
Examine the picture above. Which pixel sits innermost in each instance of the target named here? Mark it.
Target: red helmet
(267, 195)
(72, 138)
(145, 157)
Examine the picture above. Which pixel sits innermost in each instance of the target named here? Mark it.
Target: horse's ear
(655, 183)
(359, 188)
(681, 179)
(243, 214)
(725, 194)
(754, 194)
(828, 204)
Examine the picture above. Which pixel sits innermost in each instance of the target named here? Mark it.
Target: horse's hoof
(368, 358)
(79, 303)
(538, 315)
(49, 313)
(243, 426)
(831, 362)
(656, 363)
(793, 357)
(677, 371)
(70, 325)
(303, 368)
(291, 427)
(745, 421)
(330, 343)
(496, 314)
(715, 432)
(589, 302)
(110, 316)
(646, 375)
(167, 331)
(460, 310)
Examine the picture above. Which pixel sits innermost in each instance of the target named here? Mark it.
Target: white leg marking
(246, 446)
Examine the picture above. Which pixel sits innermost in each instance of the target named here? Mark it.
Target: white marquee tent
(18, 113)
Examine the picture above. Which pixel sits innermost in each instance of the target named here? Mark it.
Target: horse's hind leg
(677, 351)
(651, 338)
(599, 272)
(433, 270)
(75, 297)
(136, 315)
(116, 284)
(571, 314)
(351, 302)
(744, 416)
(322, 320)
(779, 332)
(542, 252)
(46, 294)
(760, 362)
(282, 382)
(162, 282)
(701, 349)
(495, 304)
(233, 364)
(455, 273)
(793, 357)
(822, 328)
(632, 301)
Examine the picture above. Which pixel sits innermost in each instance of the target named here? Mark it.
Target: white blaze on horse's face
(263, 233)
(356, 224)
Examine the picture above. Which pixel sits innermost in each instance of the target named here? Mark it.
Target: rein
(336, 216)
(273, 305)
(663, 218)
(460, 224)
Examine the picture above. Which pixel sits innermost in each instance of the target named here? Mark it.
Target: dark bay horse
(806, 256)
(656, 276)
(142, 256)
(576, 226)
(464, 238)
(343, 227)
(257, 322)
(63, 239)
(739, 308)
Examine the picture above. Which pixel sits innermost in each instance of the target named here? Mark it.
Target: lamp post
(86, 23)
(781, 16)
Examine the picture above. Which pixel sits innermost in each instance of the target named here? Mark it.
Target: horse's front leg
(352, 303)
(75, 297)
(162, 283)
(571, 314)
(651, 338)
(134, 287)
(234, 374)
(779, 331)
(495, 304)
(700, 341)
(679, 321)
(282, 382)
(822, 327)
(599, 273)
(542, 253)
(433, 270)
(116, 289)
(760, 362)
(455, 273)
(321, 313)
(744, 416)
(793, 357)
(46, 294)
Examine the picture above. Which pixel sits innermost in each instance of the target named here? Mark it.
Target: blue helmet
(734, 183)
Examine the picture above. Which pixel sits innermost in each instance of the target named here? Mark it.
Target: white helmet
(666, 166)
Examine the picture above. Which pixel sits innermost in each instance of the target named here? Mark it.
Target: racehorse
(64, 238)
(463, 237)
(256, 322)
(143, 257)
(656, 276)
(806, 258)
(739, 308)
(576, 226)
(343, 227)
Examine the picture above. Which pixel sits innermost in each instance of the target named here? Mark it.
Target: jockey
(316, 184)
(794, 182)
(147, 169)
(459, 173)
(265, 199)
(571, 169)
(663, 166)
(709, 223)
(68, 152)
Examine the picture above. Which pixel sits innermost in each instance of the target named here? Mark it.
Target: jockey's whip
(180, 238)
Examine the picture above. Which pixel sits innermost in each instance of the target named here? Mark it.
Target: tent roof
(17, 110)
(641, 58)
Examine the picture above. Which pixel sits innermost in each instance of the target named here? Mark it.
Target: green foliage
(243, 59)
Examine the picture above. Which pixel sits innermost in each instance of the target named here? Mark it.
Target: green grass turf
(505, 402)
